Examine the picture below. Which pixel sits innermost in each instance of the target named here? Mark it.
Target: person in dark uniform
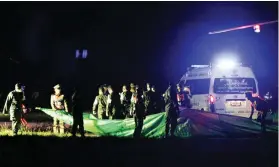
(100, 104)
(58, 101)
(138, 113)
(14, 102)
(158, 100)
(261, 106)
(113, 105)
(125, 100)
(171, 108)
(77, 113)
(148, 99)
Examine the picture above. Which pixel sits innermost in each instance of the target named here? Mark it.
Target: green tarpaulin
(190, 123)
(154, 125)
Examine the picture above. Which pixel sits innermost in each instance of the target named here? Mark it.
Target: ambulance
(220, 88)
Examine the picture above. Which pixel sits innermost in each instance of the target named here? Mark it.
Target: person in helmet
(58, 102)
(14, 102)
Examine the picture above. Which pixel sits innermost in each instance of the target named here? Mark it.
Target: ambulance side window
(198, 86)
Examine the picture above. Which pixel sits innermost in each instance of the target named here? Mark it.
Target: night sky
(130, 41)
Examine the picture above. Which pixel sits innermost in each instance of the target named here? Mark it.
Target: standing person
(261, 106)
(171, 108)
(77, 113)
(14, 102)
(58, 102)
(100, 104)
(113, 105)
(138, 113)
(180, 95)
(158, 102)
(148, 99)
(125, 97)
(133, 97)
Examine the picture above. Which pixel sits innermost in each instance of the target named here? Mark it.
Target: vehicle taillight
(211, 99)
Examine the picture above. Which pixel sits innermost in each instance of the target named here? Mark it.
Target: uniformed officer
(113, 105)
(261, 106)
(13, 104)
(148, 99)
(99, 104)
(77, 113)
(138, 113)
(171, 108)
(125, 100)
(58, 102)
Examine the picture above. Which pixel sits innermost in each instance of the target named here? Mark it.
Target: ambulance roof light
(225, 64)
(199, 66)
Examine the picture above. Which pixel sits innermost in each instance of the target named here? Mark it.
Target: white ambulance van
(221, 89)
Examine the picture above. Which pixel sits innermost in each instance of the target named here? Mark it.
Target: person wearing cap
(99, 104)
(58, 102)
(14, 102)
(113, 105)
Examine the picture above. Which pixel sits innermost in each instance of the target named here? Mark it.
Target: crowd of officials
(132, 102)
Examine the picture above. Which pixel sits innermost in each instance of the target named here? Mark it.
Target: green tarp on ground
(154, 125)
(190, 123)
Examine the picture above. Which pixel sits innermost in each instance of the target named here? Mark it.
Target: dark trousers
(138, 127)
(252, 112)
(170, 121)
(78, 122)
(15, 125)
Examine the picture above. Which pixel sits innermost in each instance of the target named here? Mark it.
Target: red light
(211, 99)
(257, 28)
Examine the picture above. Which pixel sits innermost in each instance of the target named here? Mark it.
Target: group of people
(134, 103)
(130, 103)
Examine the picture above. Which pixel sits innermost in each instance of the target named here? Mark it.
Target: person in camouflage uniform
(13, 104)
(58, 102)
(100, 104)
(125, 100)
